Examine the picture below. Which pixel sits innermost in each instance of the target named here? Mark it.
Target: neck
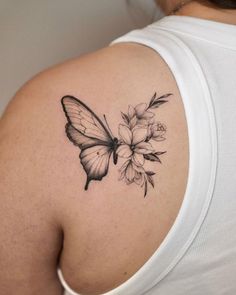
(206, 11)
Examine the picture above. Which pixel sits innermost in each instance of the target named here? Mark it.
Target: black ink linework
(97, 143)
(88, 132)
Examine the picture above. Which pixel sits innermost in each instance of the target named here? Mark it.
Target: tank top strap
(202, 130)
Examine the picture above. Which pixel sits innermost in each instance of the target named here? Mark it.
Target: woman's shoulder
(53, 144)
(121, 62)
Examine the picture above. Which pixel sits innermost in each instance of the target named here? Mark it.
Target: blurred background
(35, 35)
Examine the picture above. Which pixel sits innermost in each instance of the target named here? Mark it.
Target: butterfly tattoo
(97, 143)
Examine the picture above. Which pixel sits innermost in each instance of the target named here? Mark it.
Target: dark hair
(227, 4)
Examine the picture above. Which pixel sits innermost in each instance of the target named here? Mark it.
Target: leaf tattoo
(97, 143)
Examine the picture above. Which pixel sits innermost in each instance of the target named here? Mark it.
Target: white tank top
(198, 255)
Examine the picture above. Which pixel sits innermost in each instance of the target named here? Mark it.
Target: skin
(201, 9)
(46, 217)
(43, 202)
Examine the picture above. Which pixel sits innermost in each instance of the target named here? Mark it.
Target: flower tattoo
(137, 133)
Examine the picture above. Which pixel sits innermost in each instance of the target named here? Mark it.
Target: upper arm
(43, 183)
(30, 234)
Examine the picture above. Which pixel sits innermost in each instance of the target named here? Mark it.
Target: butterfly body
(115, 146)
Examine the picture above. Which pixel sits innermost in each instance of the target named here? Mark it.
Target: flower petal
(133, 122)
(144, 148)
(139, 135)
(151, 121)
(139, 178)
(140, 109)
(148, 115)
(124, 151)
(124, 166)
(125, 134)
(159, 138)
(138, 159)
(130, 172)
(131, 111)
(141, 123)
(122, 175)
(139, 169)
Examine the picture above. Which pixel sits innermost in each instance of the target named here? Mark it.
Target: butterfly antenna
(108, 125)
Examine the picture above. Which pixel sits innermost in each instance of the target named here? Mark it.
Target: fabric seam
(192, 36)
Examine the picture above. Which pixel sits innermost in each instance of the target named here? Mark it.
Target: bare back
(100, 236)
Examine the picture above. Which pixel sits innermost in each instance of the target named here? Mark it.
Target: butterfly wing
(94, 156)
(95, 161)
(80, 140)
(87, 132)
(83, 119)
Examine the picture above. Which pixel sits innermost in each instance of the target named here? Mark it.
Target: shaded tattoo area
(137, 133)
